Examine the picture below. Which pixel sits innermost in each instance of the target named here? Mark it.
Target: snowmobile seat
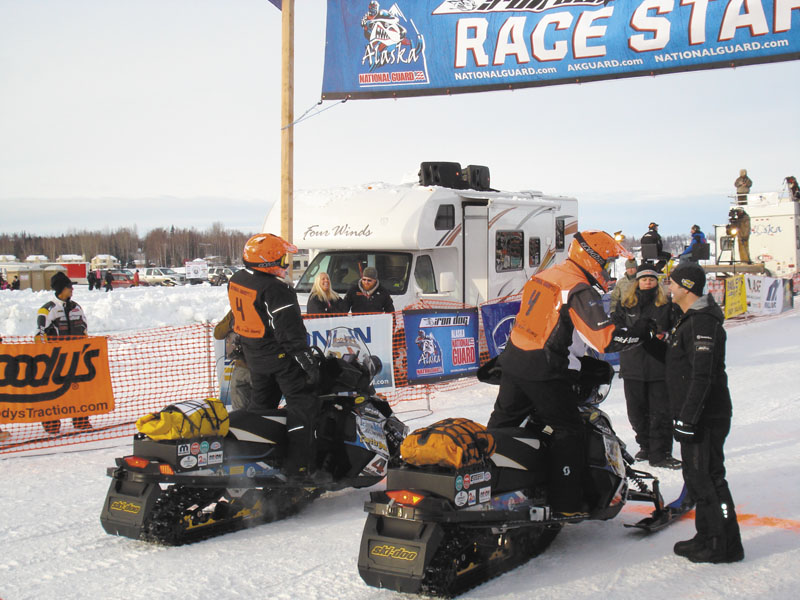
(255, 434)
(519, 458)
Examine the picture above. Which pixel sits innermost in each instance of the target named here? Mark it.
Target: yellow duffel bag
(192, 418)
(448, 443)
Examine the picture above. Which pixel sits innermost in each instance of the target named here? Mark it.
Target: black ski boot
(715, 551)
(686, 547)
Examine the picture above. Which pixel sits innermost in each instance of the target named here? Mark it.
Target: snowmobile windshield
(345, 343)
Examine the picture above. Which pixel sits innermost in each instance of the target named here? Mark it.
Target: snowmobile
(441, 531)
(179, 491)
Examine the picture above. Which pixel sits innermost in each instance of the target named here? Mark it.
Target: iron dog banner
(425, 47)
(54, 380)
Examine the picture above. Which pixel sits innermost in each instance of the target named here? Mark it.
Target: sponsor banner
(716, 287)
(374, 330)
(54, 380)
(796, 283)
(768, 295)
(424, 47)
(498, 319)
(735, 296)
(441, 344)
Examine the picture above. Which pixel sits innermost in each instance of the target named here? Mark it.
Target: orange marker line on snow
(744, 519)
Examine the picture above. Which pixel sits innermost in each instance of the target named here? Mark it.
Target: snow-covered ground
(52, 544)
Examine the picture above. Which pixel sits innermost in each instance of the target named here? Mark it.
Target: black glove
(688, 433)
(643, 329)
(309, 364)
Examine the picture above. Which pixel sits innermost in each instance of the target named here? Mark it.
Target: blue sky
(162, 112)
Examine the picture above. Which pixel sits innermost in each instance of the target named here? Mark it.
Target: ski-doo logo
(396, 552)
(49, 371)
(449, 7)
(392, 48)
(124, 506)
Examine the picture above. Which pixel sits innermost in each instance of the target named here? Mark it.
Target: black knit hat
(646, 269)
(690, 277)
(59, 281)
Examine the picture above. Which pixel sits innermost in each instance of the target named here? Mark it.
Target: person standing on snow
(267, 317)
(624, 283)
(561, 312)
(57, 319)
(700, 400)
(367, 295)
(643, 375)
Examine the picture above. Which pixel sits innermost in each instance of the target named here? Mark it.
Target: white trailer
(430, 242)
(774, 234)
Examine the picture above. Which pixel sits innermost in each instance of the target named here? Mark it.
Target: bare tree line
(161, 247)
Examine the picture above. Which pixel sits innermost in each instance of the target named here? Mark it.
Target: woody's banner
(426, 47)
(54, 380)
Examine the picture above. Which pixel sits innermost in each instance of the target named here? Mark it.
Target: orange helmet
(593, 250)
(267, 253)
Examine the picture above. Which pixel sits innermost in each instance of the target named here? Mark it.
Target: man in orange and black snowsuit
(561, 313)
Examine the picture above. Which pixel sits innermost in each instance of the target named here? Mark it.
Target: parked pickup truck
(161, 276)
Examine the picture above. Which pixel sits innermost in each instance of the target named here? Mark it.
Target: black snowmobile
(179, 491)
(441, 531)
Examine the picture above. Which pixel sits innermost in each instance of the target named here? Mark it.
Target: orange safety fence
(154, 368)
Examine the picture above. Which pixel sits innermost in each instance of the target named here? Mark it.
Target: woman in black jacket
(643, 375)
(323, 299)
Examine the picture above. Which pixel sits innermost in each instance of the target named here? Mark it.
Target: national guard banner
(498, 319)
(398, 48)
(441, 344)
(54, 380)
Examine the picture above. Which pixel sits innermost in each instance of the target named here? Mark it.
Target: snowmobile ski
(661, 518)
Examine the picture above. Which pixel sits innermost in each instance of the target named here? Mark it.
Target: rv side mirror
(447, 282)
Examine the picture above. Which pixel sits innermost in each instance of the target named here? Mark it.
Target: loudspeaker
(445, 174)
(476, 177)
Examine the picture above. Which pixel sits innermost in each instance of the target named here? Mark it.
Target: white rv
(774, 234)
(431, 242)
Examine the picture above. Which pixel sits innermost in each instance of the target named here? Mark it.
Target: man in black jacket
(654, 238)
(267, 317)
(368, 295)
(701, 406)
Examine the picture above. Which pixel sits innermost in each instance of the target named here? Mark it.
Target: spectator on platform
(323, 299)
(368, 295)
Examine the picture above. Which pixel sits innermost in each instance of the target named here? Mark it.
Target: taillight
(136, 462)
(405, 497)
(165, 469)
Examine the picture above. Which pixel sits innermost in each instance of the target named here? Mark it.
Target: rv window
(534, 252)
(445, 218)
(345, 268)
(560, 233)
(423, 274)
(509, 247)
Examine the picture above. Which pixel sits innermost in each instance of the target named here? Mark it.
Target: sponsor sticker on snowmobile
(377, 466)
(466, 481)
(473, 497)
(188, 462)
(183, 449)
(214, 458)
(195, 448)
(476, 478)
(461, 498)
(251, 471)
(459, 483)
(484, 494)
(202, 460)
(216, 445)
(392, 551)
(204, 447)
(237, 470)
(487, 476)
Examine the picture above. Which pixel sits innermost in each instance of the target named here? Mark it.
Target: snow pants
(241, 390)
(302, 406)
(704, 475)
(553, 403)
(649, 415)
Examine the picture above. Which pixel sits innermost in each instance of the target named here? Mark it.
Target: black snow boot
(686, 547)
(715, 551)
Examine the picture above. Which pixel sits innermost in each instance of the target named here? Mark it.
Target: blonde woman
(323, 298)
(643, 375)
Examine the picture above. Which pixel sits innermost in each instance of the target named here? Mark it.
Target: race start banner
(54, 380)
(427, 47)
(498, 319)
(441, 344)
